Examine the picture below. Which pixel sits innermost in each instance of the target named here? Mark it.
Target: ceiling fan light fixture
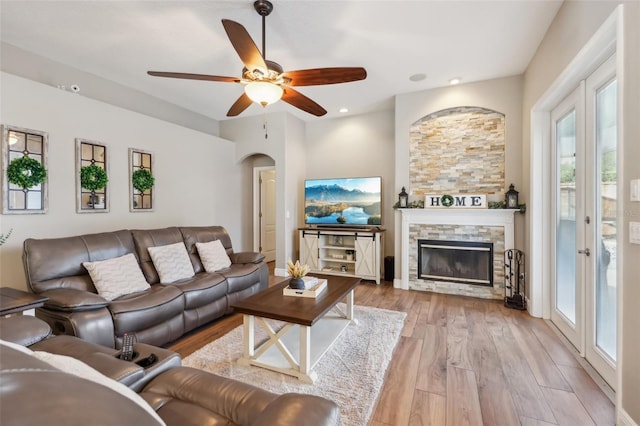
(263, 92)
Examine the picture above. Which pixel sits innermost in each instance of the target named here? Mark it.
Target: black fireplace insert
(465, 262)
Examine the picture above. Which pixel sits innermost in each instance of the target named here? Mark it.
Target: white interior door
(584, 131)
(268, 214)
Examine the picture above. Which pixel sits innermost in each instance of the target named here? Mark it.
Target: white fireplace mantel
(452, 216)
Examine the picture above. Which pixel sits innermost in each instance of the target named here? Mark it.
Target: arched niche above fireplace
(458, 151)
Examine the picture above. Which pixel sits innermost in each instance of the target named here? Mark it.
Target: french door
(584, 131)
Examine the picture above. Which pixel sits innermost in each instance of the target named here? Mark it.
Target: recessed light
(418, 77)
(343, 110)
(455, 80)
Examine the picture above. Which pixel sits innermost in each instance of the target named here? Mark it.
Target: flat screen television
(355, 202)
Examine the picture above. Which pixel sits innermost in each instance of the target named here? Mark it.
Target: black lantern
(511, 198)
(403, 199)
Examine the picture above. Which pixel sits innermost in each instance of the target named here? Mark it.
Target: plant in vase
(296, 272)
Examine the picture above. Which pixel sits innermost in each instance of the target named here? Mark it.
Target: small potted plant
(4, 238)
(296, 271)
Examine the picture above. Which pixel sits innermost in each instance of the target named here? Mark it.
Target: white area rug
(351, 373)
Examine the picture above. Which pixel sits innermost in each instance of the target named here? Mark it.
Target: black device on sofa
(158, 315)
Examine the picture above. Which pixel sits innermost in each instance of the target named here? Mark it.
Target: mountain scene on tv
(343, 202)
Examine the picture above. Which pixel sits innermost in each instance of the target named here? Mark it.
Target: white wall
(574, 25)
(503, 95)
(285, 134)
(296, 165)
(193, 170)
(360, 145)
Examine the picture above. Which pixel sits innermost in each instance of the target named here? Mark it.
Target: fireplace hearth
(465, 262)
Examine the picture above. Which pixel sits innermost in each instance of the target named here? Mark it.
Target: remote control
(127, 347)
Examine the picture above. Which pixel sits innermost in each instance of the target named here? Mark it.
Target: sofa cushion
(204, 234)
(241, 276)
(202, 289)
(145, 238)
(139, 311)
(213, 255)
(116, 277)
(172, 262)
(57, 262)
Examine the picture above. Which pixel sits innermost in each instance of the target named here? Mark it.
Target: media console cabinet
(352, 252)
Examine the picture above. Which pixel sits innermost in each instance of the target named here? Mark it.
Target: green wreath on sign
(26, 172)
(142, 180)
(446, 200)
(93, 178)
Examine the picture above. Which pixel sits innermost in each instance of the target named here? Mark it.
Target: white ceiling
(121, 40)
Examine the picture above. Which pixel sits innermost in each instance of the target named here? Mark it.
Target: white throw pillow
(172, 262)
(213, 256)
(84, 371)
(16, 346)
(116, 277)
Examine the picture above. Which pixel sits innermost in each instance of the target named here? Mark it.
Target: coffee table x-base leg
(285, 353)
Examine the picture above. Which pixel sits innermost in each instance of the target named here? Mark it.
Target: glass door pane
(566, 216)
(606, 200)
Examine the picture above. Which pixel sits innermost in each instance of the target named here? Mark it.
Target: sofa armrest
(36, 393)
(246, 257)
(299, 409)
(121, 371)
(72, 300)
(24, 330)
(215, 398)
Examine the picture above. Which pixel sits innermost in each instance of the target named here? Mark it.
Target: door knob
(585, 251)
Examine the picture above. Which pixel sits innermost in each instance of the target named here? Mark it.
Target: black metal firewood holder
(514, 276)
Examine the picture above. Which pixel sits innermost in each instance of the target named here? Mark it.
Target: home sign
(457, 201)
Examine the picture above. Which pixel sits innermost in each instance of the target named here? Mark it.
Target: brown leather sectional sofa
(34, 390)
(158, 315)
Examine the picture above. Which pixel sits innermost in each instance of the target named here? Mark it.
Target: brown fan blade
(193, 76)
(298, 100)
(319, 76)
(240, 105)
(244, 45)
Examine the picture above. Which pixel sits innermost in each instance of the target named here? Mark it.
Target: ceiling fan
(265, 81)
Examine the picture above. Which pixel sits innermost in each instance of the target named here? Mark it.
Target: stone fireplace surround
(486, 225)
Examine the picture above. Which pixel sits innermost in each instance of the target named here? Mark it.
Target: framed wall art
(92, 177)
(24, 171)
(141, 180)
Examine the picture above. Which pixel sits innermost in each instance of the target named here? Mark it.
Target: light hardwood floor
(467, 361)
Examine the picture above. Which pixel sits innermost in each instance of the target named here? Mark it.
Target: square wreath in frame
(92, 182)
(142, 193)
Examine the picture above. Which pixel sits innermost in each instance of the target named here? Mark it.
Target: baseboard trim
(624, 419)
